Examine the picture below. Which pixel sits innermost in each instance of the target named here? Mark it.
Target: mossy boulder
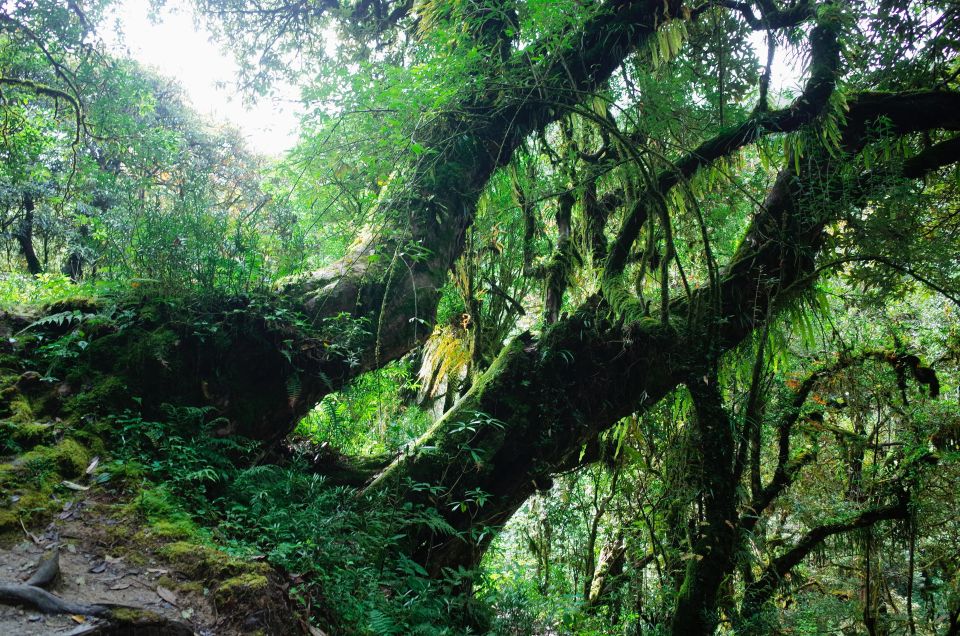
(100, 396)
(28, 509)
(27, 435)
(260, 600)
(20, 409)
(68, 459)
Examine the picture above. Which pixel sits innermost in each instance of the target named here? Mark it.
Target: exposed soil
(89, 573)
(103, 561)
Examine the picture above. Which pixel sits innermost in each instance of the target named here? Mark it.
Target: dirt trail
(89, 573)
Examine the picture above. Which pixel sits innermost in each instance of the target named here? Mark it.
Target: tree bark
(713, 557)
(24, 236)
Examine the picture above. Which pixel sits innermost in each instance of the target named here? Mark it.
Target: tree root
(48, 571)
(46, 602)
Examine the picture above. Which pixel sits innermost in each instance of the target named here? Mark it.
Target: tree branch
(758, 593)
(825, 55)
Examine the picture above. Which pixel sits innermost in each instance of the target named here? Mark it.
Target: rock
(28, 379)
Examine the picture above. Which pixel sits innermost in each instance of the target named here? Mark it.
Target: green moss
(36, 468)
(33, 502)
(32, 507)
(126, 614)
(245, 589)
(28, 435)
(186, 587)
(174, 529)
(201, 562)
(105, 393)
(8, 381)
(8, 521)
(136, 621)
(167, 520)
(72, 459)
(21, 410)
(8, 475)
(45, 465)
(167, 582)
(6, 395)
(84, 304)
(190, 587)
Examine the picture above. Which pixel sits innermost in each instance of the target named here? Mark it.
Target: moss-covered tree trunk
(263, 363)
(713, 556)
(540, 407)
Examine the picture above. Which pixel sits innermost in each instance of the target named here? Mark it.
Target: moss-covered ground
(63, 468)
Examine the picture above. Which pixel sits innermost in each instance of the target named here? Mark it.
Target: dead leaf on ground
(166, 595)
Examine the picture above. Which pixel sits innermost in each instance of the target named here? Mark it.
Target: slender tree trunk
(24, 236)
(613, 559)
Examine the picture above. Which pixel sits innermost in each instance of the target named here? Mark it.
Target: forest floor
(125, 552)
(109, 556)
(92, 572)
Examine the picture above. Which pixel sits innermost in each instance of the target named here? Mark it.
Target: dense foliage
(560, 317)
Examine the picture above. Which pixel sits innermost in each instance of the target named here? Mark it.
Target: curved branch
(760, 591)
(55, 93)
(825, 55)
(58, 69)
(771, 17)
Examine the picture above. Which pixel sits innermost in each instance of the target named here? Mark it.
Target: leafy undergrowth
(337, 548)
(56, 480)
(247, 536)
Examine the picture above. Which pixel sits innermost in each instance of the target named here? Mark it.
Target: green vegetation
(560, 317)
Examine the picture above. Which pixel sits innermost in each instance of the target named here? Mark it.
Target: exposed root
(48, 571)
(44, 601)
